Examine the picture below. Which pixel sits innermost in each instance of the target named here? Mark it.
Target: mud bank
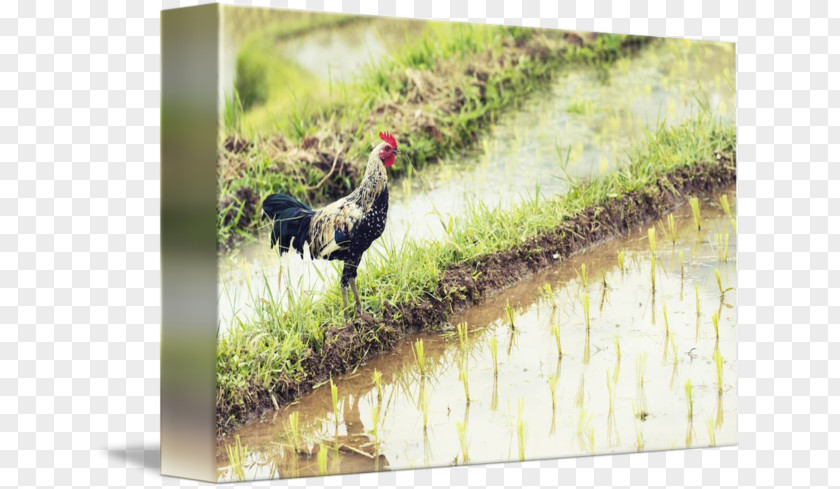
(615, 211)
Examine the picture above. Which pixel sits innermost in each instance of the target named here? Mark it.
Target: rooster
(343, 230)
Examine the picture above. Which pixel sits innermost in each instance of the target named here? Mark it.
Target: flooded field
(579, 127)
(629, 345)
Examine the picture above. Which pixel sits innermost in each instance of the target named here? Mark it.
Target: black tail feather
(291, 219)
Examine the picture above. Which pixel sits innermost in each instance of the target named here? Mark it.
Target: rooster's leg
(344, 299)
(361, 312)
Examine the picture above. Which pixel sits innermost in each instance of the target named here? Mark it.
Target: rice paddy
(653, 409)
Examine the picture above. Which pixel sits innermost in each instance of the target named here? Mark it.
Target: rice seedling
(461, 426)
(585, 301)
(463, 376)
(710, 428)
(611, 391)
(237, 454)
(716, 324)
(724, 204)
(555, 332)
(722, 242)
(720, 284)
(510, 314)
(377, 382)
(584, 280)
(734, 224)
(621, 261)
(322, 459)
(682, 268)
(494, 354)
(520, 429)
(670, 231)
(665, 316)
(420, 357)
(463, 337)
(689, 399)
(718, 358)
(293, 432)
(586, 349)
(694, 202)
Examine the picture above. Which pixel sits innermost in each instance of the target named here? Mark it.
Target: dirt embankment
(470, 283)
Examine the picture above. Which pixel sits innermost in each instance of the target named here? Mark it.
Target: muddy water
(587, 118)
(625, 312)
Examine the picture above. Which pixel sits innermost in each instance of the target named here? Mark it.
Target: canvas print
(447, 243)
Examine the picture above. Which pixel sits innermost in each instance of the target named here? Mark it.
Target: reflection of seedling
(722, 241)
(520, 429)
(670, 231)
(580, 392)
(420, 357)
(510, 314)
(639, 414)
(463, 376)
(461, 426)
(689, 399)
(374, 417)
(641, 361)
(555, 332)
(584, 281)
(697, 299)
(552, 386)
(322, 459)
(585, 300)
(652, 240)
(621, 261)
(377, 381)
(494, 354)
(652, 272)
(724, 203)
(682, 267)
(611, 391)
(424, 406)
(694, 202)
(716, 323)
(710, 427)
(665, 315)
(293, 431)
(236, 456)
(334, 394)
(718, 358)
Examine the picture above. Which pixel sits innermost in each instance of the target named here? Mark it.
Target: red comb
(388, 138)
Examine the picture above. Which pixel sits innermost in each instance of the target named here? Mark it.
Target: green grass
(458, 77)
(268, 352)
